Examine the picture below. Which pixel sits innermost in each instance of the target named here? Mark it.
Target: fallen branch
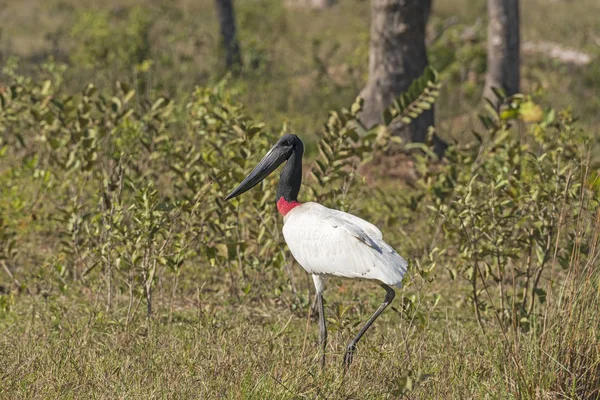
(558, 52)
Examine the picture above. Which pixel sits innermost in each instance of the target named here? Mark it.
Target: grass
(58, 339)
(208, 346)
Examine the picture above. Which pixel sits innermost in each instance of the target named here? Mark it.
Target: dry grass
(209, 344)
(212, 346)
(58, 348)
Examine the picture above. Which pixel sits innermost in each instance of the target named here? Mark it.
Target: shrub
(511, 206)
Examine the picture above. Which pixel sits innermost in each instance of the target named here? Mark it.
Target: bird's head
(280, 152)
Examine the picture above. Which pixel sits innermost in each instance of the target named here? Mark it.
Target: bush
(513, 208)
(126, 195)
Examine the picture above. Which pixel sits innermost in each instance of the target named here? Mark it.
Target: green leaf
(541, 294)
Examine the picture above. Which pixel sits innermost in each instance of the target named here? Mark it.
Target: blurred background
(300, 58)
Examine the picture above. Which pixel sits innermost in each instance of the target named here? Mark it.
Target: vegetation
(126, 275)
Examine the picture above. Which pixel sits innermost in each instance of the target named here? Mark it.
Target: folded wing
(331, 242)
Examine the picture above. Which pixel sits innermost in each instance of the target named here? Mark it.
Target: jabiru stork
(325, 241)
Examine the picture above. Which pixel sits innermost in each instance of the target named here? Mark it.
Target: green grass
(58, 337)
(207, 346)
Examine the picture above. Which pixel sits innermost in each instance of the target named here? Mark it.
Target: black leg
(314, 308)
(389, 296)
(322, 328)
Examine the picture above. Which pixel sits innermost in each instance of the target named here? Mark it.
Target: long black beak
(273, 159)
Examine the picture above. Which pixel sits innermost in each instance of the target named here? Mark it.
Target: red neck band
(285, 207)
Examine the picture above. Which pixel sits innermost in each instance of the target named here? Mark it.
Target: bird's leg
(315, 304)
(322, 328)
(320, 287)
(389, 296)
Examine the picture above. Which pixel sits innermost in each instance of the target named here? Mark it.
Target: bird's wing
(368, 227)
(323, 242)
(353, 229)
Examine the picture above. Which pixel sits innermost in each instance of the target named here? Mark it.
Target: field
(124, 274)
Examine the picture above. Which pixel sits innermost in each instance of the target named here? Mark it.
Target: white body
(332, 242)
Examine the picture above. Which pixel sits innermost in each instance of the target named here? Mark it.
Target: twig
(15, 280)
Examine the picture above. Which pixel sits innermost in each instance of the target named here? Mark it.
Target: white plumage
(332, 242)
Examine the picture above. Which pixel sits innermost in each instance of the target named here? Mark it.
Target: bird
(326, 242)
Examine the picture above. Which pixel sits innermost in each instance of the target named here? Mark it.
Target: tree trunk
(503, 59)
(226, 17)
(397, 56)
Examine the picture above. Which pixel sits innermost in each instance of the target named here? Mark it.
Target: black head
(285, 147)
(289, 140)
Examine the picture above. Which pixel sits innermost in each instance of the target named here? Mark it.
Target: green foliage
(111, 198)
(125, 190)
(108, 41)
(8, 244)
(340, 150)
(7, 234)
(419, 97)
(133, 181)
(224, 146)
(459, 53)
(257, 21)
(511, 209)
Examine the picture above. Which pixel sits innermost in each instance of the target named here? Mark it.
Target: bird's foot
(349, 355)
